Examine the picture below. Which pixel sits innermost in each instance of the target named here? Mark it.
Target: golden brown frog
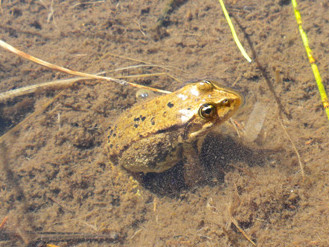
(154, 135)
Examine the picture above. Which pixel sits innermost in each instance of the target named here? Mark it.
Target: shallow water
(55, 174)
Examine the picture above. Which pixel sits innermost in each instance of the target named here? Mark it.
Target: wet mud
(55, 173)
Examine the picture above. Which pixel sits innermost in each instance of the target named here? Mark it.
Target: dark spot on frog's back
(152, 121)
(137, 119)
(110, 132)
(170, 105)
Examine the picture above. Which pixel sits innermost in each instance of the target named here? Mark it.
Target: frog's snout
(237, 100)
(229, 105)
(241, 100)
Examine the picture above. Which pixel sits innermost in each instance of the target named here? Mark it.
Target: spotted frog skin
(155, 135)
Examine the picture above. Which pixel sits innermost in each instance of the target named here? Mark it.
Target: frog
(155, 135)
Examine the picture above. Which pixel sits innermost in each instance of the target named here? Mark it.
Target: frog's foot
(194, 172)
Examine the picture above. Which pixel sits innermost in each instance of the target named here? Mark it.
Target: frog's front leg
(194, 172)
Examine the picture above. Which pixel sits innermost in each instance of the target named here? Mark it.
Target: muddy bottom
(57, 185)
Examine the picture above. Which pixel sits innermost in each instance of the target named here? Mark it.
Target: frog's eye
(207, 111)
(205, 85)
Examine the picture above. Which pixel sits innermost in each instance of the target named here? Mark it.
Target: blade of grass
(235, 36)
(311, 59)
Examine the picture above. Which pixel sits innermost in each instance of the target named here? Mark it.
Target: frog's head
(219, 103)
(216, 104)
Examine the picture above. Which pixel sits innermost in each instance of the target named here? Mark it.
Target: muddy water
(55, 174)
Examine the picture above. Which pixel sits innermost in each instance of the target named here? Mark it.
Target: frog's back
(142, 120)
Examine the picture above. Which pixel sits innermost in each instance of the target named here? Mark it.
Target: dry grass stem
(85, 3)
(235, 222)
(135, 67)
(153, 74)
(3, 222)
(135, 233)
(242, 231)
(19, 125)
(141, 61)
(72, 72)
(233, 124)
(58, 84)
(51, 13)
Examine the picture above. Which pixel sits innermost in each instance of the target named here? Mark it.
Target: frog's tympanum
(154, 135)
